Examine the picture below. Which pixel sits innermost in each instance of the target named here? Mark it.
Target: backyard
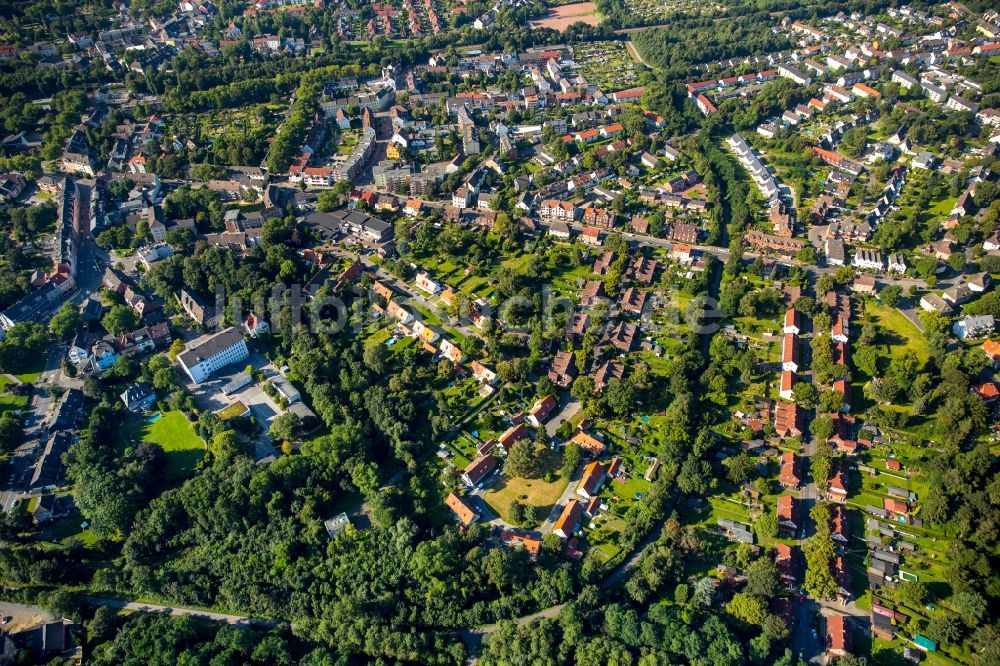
(175, 435)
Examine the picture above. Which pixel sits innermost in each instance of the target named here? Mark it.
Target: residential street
(35, 430)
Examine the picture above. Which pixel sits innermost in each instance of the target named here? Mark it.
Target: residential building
(787, 389)
(790, 475)
(838, 636)
(541, 410)
(138, 397)
(593, 477)
(788, 511)
(478, 469)
(790, 353)
(464, 513)
(972, 327)
(568, 520)
(563, 370)
(866, 258)
(195, 308)
(588, 443)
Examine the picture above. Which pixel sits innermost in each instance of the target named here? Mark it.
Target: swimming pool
(154, 418)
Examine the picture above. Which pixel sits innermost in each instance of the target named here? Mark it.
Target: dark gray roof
(50, 467)
(136, 392)
(209, 345)
(67, 410)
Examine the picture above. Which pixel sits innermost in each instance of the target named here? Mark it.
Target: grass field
(536, 492)
(900, 333)
(603, 539)
(175, 434)
(9, 401)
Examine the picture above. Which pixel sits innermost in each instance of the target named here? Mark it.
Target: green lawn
(536, 492)
(176, 435)
(899, 332)
(426, 315)
(10, 401)
(605, 536)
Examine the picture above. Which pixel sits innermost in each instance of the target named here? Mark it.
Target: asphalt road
(14, 486)
(176, 610)
(568, 411)
(26, 455)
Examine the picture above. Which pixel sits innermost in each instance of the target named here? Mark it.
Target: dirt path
(634, 52)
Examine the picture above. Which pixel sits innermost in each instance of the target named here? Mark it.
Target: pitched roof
(466, 515)
(569, 517)
(593, 475)
(588, 442)
(543, 407)
(479, 468)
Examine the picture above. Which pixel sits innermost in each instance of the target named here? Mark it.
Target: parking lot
(209, 396)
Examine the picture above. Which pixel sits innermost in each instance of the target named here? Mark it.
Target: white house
(424, 282)
(790, 353)
(971, 328)
(866, 258)
(793, 322)
(904, 79)
(787, 385)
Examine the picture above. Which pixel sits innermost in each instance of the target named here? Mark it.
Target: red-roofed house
(465, 514)
(788, 514)
(840, 531)
(791, 474)
(793, 322)
(513, 434)
(588, 443)
(898, 507)
(478, 469)
(838, 636)
(705, 105)
(568, 520)
(593, 477)
(788, 420)
(787, 560)
(541, 410)
(992, 349)
(790, 353)
(787, 390)
(838, 486)
(988, 391)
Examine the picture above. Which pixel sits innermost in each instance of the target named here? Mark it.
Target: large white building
(208, 354)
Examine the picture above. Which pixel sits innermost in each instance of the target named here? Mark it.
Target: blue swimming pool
(154, 418)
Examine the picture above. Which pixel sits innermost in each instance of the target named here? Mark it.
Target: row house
(599, 217)
(554, 209)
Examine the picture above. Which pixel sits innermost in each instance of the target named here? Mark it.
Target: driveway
(568, 493)
(568, 411)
